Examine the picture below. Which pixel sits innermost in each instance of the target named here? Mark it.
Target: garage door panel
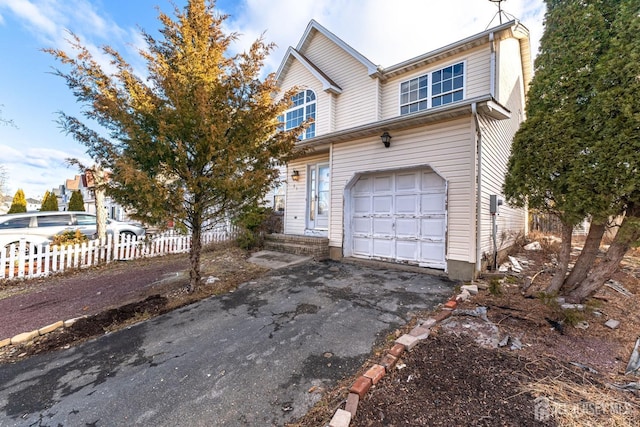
(362, 225)
(407, 250)
(406, 182)
(362, 205)
(432, 252)
(431, 182)
(383, 226)
(383, 248)
(382, 205)
(432, 228)
(361, 246)
(433, 203)
(400, 216)
(406, 204)
(382, 184)
(406, 227)
(363, 186)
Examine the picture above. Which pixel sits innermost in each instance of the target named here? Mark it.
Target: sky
(34, 150)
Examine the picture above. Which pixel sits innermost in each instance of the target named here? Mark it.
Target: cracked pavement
(247, 358)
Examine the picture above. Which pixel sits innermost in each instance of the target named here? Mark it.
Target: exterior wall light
(295, 175)
(386, 139)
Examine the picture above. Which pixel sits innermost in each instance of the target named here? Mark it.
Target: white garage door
(400, 216)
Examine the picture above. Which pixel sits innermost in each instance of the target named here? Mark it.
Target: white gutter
(474, 111)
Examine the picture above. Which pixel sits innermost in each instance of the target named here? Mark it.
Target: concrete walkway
(248, 358)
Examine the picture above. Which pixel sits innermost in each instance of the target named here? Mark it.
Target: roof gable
(327, 84)
(298, 53)
(313, 26)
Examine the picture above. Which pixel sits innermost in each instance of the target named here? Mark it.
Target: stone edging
(360, 387)
(28, 336)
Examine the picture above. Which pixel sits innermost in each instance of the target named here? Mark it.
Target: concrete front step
(317, 247)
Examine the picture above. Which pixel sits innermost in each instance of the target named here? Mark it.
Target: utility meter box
(494, 204)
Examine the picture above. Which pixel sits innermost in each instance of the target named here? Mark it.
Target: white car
(40, 227)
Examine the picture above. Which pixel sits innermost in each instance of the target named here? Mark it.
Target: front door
(318, 197)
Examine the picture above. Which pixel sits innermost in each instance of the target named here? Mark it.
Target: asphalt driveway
(248, 358)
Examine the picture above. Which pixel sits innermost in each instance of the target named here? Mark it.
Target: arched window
(303, 108)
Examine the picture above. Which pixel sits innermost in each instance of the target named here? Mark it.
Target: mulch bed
(450, 380)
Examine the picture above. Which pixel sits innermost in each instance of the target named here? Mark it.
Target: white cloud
(385, 34)
(33, 14)
(51, 20)
(37, 169)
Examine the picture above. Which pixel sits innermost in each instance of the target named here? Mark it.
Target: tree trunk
(101, 215)
(563, 259)
(586, 258)
(628, 233)
(194, 256)
(98, 194)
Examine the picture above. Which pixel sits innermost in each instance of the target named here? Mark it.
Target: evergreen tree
(19, 203)
(50, 203)
(77, 201)
(562, 159)
(199, 139)
(44, 201)
(611, 168)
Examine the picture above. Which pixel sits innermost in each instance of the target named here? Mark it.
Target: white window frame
(428, 100)
(309, 110)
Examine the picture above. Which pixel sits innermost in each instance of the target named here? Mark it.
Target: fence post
(3, 262)
(45, 260)
(21, 256)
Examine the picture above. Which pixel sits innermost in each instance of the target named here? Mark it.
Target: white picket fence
(24, 261)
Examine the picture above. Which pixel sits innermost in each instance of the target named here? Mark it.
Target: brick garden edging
(362, 384)
(28, 336)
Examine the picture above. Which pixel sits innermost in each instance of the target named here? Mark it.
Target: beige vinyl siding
(477, 75)
(497, 137)
(299, 76)
(478, 72)
(296, 201)
(356, 104)
(447, 147)
(510, 81)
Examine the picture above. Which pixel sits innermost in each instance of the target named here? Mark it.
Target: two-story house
(402, 161)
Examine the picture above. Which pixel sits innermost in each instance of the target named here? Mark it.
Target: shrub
(50, 203)
(19, 203)
(69, 238)
(76, 203)
(253, 222)
(495, 287)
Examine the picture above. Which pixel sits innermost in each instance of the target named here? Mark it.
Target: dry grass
(576, 405)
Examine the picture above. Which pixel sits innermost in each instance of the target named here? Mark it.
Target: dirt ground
(558, 367)
(112, 297)
(557, 373)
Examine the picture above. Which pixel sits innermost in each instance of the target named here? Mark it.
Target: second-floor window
(303, 108)
(434, 89)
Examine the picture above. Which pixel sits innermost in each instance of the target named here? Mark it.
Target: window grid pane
(448, 85)
(304, 108)
(413, 95)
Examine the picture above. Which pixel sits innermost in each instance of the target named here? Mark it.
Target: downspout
(476, 122)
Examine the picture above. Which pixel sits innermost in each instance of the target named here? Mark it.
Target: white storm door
(318, 197)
